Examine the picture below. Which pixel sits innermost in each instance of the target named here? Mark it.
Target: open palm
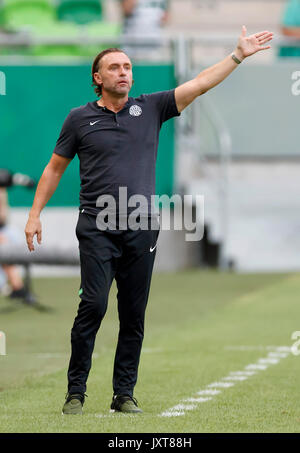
(249, 45)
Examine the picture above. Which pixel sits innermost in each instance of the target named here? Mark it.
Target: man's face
(115, 74)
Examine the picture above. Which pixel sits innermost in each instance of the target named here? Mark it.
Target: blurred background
(238, 145)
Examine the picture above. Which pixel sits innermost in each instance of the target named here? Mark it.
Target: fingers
(265, 38)
(265, 48)
(29, 240)
(258, 35)
(244, 31)
(33, 227)
(39, 237)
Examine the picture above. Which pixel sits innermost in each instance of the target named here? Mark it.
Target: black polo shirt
(116, 149)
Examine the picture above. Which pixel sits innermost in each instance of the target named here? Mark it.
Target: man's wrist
(238, 54)
(34, 214)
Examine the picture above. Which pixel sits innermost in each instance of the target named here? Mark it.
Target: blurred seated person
(143, 19)
(290, 27)
(10, 273)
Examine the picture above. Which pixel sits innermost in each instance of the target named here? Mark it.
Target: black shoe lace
(128, 397)
(134, 400)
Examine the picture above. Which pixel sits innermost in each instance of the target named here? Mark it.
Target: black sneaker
(126, 404)
(17, 293)
(73, 404)
(26, 296)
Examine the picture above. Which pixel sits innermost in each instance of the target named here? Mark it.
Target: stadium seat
(106, 30)
(59, 31)
(79, 11)
(15, 51)
(19, 13)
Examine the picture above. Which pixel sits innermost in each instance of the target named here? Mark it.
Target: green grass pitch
(200, 327)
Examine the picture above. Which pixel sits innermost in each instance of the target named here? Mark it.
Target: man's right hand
(33, 227)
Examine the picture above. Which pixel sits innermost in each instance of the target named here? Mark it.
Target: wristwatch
(235, 58)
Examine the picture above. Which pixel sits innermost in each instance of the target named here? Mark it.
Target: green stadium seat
(106, 30)
(20, 13)
(58, 30)
(79, 11)
(15, 51)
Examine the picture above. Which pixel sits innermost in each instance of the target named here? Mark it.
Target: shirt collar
(105, 109)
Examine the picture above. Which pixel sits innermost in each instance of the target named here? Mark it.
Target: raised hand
(249, 45)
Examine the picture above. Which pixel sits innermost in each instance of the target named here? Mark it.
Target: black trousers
(128, 256)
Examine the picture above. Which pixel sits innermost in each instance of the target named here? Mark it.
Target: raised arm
(45, 189)
(212, 76)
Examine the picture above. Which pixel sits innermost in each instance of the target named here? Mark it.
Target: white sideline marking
(208, 392)
(221, 384)
(235, 378)
(256, 366)
(197, 400)
(242, 373)
(277, 353)
(172, 414)
(182, 407)
(269, 360)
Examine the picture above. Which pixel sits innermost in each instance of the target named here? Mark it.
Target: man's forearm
(215, 74)
(212, 76)
(45, 189)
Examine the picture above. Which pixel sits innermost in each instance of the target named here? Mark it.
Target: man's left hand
(249, 45)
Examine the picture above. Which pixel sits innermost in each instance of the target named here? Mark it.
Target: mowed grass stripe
(192, 353)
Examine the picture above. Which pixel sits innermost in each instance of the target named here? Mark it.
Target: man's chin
(123, 89)
(120, 91)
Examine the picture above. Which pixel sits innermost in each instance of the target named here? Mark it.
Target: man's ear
(98, 80)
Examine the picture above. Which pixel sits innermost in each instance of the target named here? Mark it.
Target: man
(143, 21)
(116, 140)
(10, 235)
(12, 273)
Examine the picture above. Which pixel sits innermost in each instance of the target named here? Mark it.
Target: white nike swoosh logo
(151, 249)
(94, 122)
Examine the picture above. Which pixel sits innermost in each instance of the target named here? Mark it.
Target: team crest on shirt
(135, 110)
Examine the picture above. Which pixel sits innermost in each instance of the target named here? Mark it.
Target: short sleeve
(166, 104)
(66, 144)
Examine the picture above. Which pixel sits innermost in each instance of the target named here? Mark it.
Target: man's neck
(114, 104)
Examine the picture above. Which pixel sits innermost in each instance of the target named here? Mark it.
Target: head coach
(116, 140)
